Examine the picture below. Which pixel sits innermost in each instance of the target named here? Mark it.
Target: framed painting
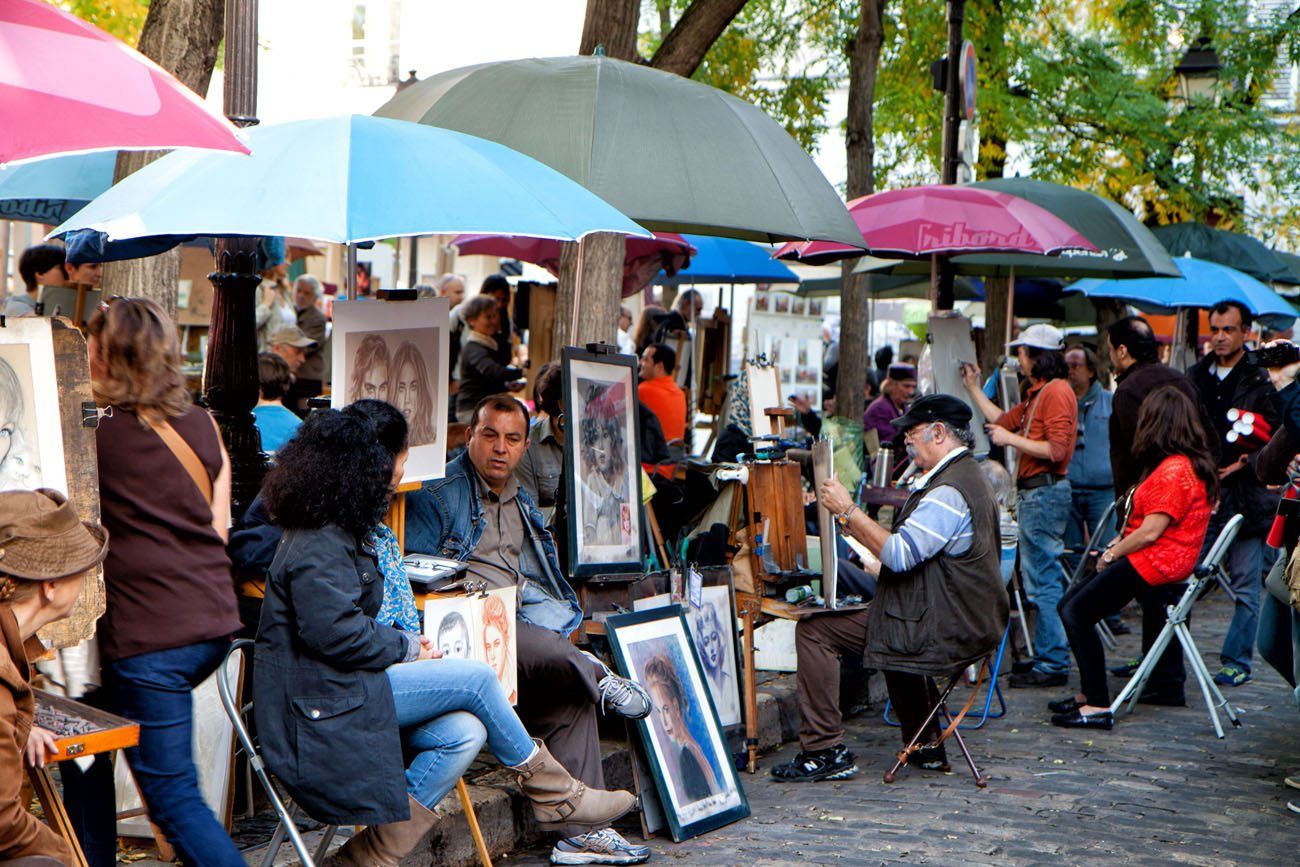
(397, 352)
(31, 429)
(696, 782)
(601, 462)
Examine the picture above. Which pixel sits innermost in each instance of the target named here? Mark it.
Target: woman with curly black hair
(339, 694)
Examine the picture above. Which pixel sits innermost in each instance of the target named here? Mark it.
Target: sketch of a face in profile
(18, 469)
(496, 644)
(371, 370)
(412, 394)
(453, 636)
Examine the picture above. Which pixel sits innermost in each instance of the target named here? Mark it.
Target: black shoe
(1076, 720)
(931, 758)
(1164, 699)
(817, 766)
(1128, 669)
(1119, 627)
(1064, 705)
(1022, 666)
(1034, 679)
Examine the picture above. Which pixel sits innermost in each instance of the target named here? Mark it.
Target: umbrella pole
(350, 273)
(934, 281)
(1011, 304)
(577, 296)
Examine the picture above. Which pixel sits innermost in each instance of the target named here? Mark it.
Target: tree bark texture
(182, 37)
(611, 24)
(601, 287)
(683, 49)
(996, 312)
(1109, 310)
(864, 62)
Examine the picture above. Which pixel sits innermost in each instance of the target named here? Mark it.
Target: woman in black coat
(339, 695)
(481, 371)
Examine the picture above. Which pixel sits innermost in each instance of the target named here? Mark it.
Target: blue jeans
(1245, 565)
(447, 709)
(1279, 631)
(1043, 514)
(1086, 506)
(154, 689)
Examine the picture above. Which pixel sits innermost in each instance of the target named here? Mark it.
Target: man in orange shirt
(1042, 430)
(660, 392)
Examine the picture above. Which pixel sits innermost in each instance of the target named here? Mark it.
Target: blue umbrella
(1203, 284)
(52, 190)
(344, 180)
(726, 260)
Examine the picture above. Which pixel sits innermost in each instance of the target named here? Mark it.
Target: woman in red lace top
(1170, 511)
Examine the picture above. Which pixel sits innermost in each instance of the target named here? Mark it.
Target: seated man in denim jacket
(478, 514)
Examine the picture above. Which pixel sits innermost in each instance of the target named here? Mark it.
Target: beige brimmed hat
(290, 335)
(41, 537)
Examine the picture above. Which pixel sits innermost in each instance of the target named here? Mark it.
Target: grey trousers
(558, 695)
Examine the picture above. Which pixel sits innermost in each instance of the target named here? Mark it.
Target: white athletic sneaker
(599, 847)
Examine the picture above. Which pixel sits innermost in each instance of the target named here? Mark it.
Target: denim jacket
(1090, 467)
(445, 518)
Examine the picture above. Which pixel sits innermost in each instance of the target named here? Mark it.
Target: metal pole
(951, 124)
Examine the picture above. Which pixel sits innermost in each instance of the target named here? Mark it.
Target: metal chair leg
(934, 711)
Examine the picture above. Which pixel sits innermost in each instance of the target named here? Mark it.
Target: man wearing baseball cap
(291, 344)
(940, 604)
(45, 553)
(1042, 430)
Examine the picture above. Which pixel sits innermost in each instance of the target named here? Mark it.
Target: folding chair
(1096, 545)
(1210, 571)
(995, 690)
(953, 725)
(287, 826)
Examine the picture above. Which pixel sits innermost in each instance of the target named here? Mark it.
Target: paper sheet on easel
(764, 393)
(951, 346)
(823, 469)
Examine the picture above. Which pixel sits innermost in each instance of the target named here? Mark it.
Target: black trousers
(558, 697)
(1103, 593)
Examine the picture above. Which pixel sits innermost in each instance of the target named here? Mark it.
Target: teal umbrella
(673, 154)
(1233, 249)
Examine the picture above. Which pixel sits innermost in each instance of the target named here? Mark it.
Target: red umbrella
(67, 86)
(945, 220)
(646, 257)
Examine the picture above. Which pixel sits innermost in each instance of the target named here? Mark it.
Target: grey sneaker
(618, 694)
(599, 847)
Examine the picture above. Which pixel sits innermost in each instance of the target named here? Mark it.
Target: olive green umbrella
(1242, 252)
(673, 154)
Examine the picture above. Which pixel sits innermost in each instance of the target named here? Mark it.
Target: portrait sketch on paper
(481, 627)
(31, 432)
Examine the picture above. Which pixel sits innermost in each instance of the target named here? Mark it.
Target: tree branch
(685, 46)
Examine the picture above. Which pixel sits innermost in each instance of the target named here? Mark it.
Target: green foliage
(122, 18)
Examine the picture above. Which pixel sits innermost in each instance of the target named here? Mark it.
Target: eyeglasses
(912, 434)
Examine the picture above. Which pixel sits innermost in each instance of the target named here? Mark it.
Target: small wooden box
(81, 730)
(775, 503)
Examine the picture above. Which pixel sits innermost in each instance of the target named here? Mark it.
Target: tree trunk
(1109, 310)
(601, 285)
(683, 49)
(864, 61)
(182, 37)
(997, 292)
(612, 25)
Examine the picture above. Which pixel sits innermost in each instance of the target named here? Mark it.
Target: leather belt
(1041, 480)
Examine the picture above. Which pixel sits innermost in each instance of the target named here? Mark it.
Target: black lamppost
(230, 375)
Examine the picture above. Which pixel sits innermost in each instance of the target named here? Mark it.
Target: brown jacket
(21, 833)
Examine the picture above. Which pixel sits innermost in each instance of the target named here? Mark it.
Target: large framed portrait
(31, 429)
(601, 462)
(396, 351)
(696, 782)
(713, 628)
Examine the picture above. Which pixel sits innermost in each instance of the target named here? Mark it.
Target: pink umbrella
(66, 87)
(646, 257)
(944, 220)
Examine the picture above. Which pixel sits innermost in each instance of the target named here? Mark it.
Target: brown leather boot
(562, 803)
(384, 845)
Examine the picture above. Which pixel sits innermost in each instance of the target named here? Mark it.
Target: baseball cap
(932, 408)
(291, 335)
(1040, 336)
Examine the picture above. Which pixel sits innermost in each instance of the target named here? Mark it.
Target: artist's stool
(287, 826)
(940, 709)
(1209, 571)
(995, 691)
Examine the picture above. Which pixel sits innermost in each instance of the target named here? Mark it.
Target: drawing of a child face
(405, 390)
(453, 636)
(603, 444)
(11, 410)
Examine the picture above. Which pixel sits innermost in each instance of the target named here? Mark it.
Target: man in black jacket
(1227, 381)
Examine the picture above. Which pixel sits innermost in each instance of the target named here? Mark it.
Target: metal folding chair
(287, 826)
(1096, 545)
(1205, 575)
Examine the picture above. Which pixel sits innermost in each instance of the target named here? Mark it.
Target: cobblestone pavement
(1158, 789)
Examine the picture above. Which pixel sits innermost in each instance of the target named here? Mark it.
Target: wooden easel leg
(751, 691)
(55, 813)
(472, 818)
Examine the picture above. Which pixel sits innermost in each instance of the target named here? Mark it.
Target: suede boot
(562, 803)
(384, 845)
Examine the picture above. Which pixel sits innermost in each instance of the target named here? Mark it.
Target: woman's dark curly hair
(390, 425)
(335, 470)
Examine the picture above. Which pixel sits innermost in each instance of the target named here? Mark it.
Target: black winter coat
(324, 707)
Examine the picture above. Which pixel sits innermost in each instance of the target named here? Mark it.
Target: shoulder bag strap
(181, 450)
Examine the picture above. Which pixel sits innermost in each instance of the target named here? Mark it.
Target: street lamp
(1198, 71)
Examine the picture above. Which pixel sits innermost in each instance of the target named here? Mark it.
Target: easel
(396, 520)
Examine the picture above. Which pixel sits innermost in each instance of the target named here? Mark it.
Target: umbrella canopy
(728, 260)
(946, 220)
(645, 256)
(53, 189)
(343, 180)
(891, 286)
(67, 86)
(1235, 250)
(1202, 284)
(674, 154)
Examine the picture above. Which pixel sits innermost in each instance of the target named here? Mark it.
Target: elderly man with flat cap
(940, 604)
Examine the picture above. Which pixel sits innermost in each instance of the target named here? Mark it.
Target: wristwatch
(843, 517)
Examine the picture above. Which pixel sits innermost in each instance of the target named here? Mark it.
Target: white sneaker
(599, 847)
(622, 696)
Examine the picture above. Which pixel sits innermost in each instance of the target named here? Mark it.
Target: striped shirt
(940, 522)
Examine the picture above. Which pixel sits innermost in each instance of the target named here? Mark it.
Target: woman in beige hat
(45, 553)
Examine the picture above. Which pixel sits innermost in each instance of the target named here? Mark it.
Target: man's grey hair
(441, 283)
(312, 282)
(963, 435)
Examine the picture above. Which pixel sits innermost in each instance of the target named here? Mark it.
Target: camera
(1277, 355)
